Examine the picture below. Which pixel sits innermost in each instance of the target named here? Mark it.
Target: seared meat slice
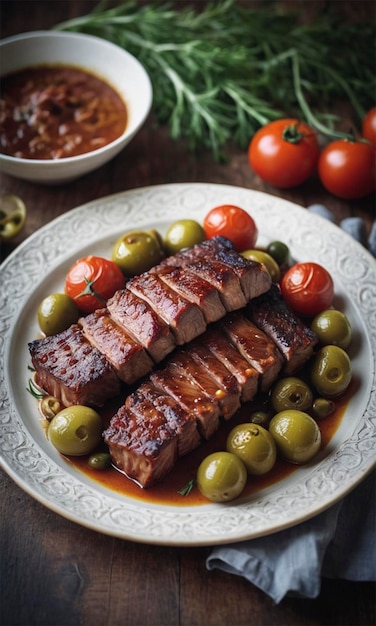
(180, 421)
(184, 318)
(217, 274)
(254, 278)
(139, 320)
(246, 375)
(174, 381)
(129, 358)
(199, 376)
(228, 389)
(70, 369)
(295, 340)
(193, 288)
(256, 347)
(141, 442)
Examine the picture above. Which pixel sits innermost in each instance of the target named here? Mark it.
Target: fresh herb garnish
(220, 73)
(186, 490)
(34, 390)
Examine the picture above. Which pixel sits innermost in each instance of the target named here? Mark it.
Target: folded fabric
(339, 543)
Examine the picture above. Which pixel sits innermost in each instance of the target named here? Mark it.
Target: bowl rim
(128, 133)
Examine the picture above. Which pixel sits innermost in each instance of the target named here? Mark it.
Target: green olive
(332, 328)
(263, 257)
(279, 251)
(254, 445)
(183, 234)
(291, 393)
(12, 216)
(56, 313)
(221, 476)
(100, 460)
(76, 430)
(296, 434)
(322, 407)
(136, 252)
(331, 371)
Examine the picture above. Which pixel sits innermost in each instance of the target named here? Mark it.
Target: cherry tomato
(284, 153)
(91, 281)
(347, 168)
(369, 126)
(307, 288)
(232, 222)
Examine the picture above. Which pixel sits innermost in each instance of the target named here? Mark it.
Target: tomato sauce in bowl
(55, 112)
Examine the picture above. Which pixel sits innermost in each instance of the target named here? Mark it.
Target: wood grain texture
(57, 573)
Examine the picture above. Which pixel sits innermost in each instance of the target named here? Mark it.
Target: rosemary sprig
(220, 73)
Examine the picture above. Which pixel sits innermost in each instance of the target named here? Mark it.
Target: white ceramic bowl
(109, 62)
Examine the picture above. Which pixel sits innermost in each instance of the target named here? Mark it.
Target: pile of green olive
(289, 425)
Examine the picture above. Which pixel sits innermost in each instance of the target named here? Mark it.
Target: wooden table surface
(55, 572)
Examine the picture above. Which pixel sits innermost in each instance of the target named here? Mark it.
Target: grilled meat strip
(190, 286)
(295, 340)
(128, 357)
(154, 313)
(139, 320)
(72, 370)
(184, 318)
(203, 384)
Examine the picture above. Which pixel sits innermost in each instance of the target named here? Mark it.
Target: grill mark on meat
(142, 443)
(295, 340)
(195, 289)
(139, 320)
(184, 318)
(228, 389)
(256, 347)
(253, 277)
(180, 421)
(217, 274)
(128, 357)
(246, 375)
(70, 369)
(174, 381)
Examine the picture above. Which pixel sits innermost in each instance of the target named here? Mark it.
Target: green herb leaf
(220, 73)
(186, 490)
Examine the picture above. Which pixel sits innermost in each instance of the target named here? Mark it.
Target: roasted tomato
(307, 288)
(369, 126)
(347, 168)
(91, 281)
(232, 222)
(284, 153)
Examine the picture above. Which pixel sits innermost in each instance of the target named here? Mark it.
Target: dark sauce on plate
(167, 491)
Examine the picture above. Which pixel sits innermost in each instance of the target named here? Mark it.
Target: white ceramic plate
(37, 268)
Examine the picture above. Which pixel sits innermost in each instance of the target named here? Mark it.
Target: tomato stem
(89, 291)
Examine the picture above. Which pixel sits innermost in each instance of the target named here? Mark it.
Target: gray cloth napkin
(339, 543)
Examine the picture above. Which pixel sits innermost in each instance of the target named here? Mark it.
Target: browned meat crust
(295, 340)
(129, 358)
(72, 370)
(139, 320)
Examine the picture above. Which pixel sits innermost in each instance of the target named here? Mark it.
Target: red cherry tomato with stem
(284, 153)
(369, 126)
(91, 281)
(307, 288)
(233, 223)
(347, 168)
